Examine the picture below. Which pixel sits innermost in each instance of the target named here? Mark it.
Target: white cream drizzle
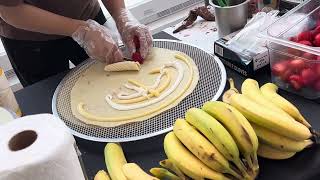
(158, 79)
(138, 92)
(177, 65)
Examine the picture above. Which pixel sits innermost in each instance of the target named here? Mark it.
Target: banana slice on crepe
(123, 66)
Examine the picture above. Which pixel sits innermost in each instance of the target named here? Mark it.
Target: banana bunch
(281, 129)
(118, 168)
(215, 142)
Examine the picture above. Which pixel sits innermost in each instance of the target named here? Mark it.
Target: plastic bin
(295, 67)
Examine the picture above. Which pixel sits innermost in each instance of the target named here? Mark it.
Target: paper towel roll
(38, 147)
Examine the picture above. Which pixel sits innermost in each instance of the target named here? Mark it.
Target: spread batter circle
(138, 104)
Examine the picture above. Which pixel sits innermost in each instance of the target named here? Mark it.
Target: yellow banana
(237, 125)
(202, 148)
(101, 175)
(167, 163)
(123, 66)
(280, 142)
(250, 88)
(268, 152)
(269, 119)
(216, 134)
(269, 91)
(115, 159)
(186, 161)
(226, 98)
(163, 174)
(133, 172)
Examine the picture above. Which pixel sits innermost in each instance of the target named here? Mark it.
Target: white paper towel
(49, 155)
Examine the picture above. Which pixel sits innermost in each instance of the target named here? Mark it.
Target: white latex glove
(96, 40)
(128, 28)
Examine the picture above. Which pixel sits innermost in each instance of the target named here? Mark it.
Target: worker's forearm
(34, 19)
(114, 7)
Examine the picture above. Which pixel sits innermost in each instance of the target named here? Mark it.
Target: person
(40, 37)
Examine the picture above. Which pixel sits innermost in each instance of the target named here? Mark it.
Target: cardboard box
(243, 64)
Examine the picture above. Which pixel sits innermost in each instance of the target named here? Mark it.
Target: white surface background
(202, 34)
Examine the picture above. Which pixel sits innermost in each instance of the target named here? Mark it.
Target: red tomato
(286, 74)
(297, 64)
(316, 41)
(315, 32)
(279, 67)
(306, 35)
(308, 76)
(316, 69)
(295, 77)
(136, 56)
(296, 86)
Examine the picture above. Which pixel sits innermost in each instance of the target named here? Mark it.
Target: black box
(236, 60)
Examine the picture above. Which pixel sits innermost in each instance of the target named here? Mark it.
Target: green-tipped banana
(268, 152)
(202, 148)
(269, 91)
(280, 142)
(186, 161)
(163, 174)
(217, 135)
(115, 159)
(167, 163)
(237, 125)
(269, 119)
(133, 172)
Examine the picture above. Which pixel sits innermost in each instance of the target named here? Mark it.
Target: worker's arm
(31, 18)
(93, 37)
(114, 7)
(129, 27)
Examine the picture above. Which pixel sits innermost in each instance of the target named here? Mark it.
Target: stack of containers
(294, 48)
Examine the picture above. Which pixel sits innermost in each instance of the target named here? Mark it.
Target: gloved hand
(97, 42)
(128, 28)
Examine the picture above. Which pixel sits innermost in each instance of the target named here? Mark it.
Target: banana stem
(254, 157)
(231, 83)
(242, 169)
(249, 161)
(315, 136)
(234, 174)
(226, 96)
(304, 121)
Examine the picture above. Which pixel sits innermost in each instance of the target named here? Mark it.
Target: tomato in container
(294, 48)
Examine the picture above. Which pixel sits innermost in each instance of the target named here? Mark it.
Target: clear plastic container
(295, 67)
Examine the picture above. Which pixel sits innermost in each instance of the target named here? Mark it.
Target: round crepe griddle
(210, 86)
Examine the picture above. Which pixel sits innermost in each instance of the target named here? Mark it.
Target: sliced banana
(123, 66)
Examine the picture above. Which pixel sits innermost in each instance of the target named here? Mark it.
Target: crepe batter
(178, 76)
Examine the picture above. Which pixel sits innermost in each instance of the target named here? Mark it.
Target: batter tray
(210, 86)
